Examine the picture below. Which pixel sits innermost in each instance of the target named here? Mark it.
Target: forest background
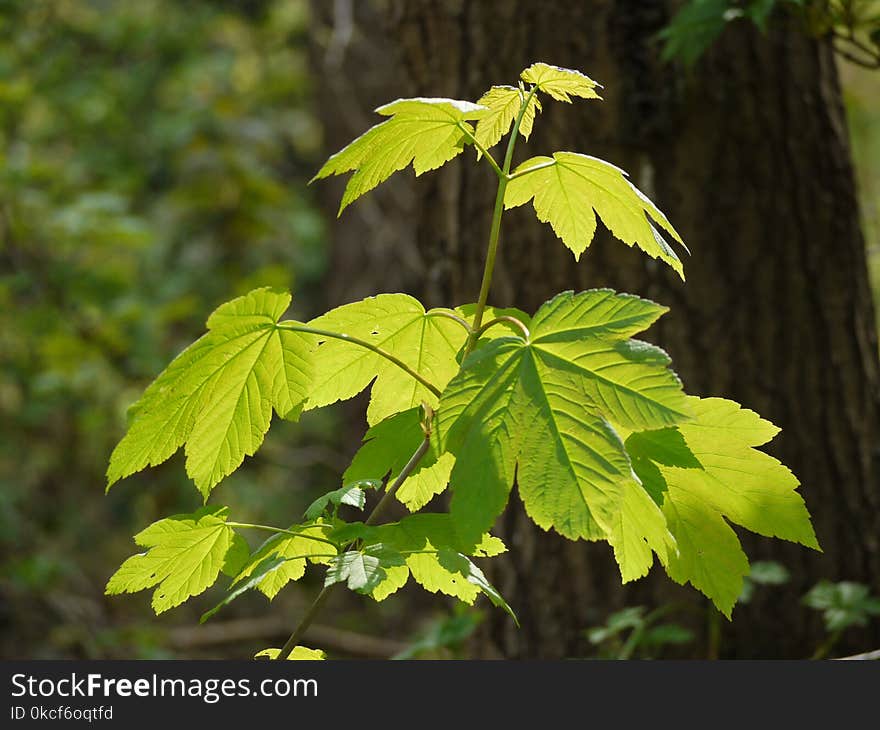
(153, 164)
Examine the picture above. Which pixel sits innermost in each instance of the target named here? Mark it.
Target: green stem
(523, 173)
(504, 319)
(280, 531)
(379, 509)
(495, 229)
(401, 478)
(305, 622)
(483, 150)
(374, 515)
(297, 327)
(449, 314)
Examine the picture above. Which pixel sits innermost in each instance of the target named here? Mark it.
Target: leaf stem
(401, 478)
(505, 319)
(449, 314)
(495, 229)
(535, 168)
(280, 531)
(297, 327)
(374, 515)
(483, 151)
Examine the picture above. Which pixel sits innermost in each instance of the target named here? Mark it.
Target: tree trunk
(748, 156)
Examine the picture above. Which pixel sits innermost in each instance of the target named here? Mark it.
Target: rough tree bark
(748, 156)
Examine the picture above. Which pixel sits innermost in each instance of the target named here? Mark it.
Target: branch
(296, 327)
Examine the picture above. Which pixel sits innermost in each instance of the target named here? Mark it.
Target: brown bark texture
(748, 156)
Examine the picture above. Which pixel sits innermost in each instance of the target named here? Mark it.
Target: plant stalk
(488, 269)
(495, 230)
(305, 622)
(372, 518)
(380, 508)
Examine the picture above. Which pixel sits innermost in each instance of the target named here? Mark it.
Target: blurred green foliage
(634, 632)
(852, 25)
(861, 88)
(843, 604)
(153, 157)
(445, 636)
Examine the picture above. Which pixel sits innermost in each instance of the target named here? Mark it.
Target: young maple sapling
(591, 424)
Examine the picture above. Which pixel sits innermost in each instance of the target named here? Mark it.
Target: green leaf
(736, 483)
(292, 550)
(184, 556)
(665, 446)
(457, 564)
(259, 572)
(217, 396)
(749, 487)
(710, 556)
(560, 83)
(299, 653)
(639, 530)
(543, 410)
(426, 341)
(504, 103)
(425, 132)
(237, 556)
(351, 493)
(363, 570)
(436, 556)
(693, 29)
(387, 448)
(567, 188)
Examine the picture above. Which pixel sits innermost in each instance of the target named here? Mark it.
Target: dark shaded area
(748, 155)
